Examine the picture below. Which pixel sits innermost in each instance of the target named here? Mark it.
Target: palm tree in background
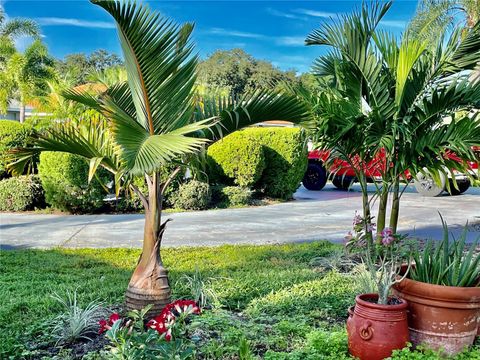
(12, 29)
(150, 122)
(434, 17)
(25, 76)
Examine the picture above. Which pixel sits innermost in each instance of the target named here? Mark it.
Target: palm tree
(25, 76)
(12, 29)
(433, 17)
(152, 121)
(390, 98)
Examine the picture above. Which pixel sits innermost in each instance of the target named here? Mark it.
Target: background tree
(434, 17)
(25, 76)
(80, 66)
(240, 72)
(12, 29)
(151, 122)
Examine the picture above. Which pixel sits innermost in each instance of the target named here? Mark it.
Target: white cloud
(286, 15)
(241, 34)
(291, 40)
(394, 23)
(315, 13)
(56, 21)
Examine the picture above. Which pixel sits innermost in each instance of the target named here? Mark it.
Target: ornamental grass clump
(447, 262)
(75, 322)
(383, 259)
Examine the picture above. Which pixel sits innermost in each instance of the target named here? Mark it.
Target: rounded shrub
(192, 195)
(12, 134)
(272, 160)
(236, 159)
(286, 156)
(225, 196)
(65, 181)
(21, 193)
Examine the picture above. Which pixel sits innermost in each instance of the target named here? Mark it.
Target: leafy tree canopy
(240, 72)
(80, 66)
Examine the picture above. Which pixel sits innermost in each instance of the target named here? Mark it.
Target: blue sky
(270, 30)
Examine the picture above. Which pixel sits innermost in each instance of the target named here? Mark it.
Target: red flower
(114, 317)
(164, 322)
(107, 325)
(103, 326)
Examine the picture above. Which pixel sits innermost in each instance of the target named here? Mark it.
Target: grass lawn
(272, 296)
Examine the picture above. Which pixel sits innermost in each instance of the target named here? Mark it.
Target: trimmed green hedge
(65, 181)
(286, 159)
(236, 159)
(21, 193)
(12, 134)
(272, 160)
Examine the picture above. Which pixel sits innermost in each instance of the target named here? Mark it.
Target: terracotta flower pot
(441, 317)
(374, 330)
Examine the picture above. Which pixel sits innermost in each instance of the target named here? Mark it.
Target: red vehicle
(342, 175)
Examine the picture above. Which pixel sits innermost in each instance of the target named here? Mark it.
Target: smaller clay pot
(374, 330)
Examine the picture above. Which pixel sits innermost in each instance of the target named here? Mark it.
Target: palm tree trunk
(395, 206)
(382, 212)
(22, 112)
(149, 283)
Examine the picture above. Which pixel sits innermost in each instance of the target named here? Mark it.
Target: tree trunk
(149, 283)
(382, 212)
(22, 112)
(366, 206)
(395, 205)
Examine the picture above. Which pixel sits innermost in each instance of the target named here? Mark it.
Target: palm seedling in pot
(376, 315)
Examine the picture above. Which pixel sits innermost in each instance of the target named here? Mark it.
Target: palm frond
(232, 114)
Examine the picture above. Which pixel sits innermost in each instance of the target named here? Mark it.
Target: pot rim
(359, 299)
(456, 296)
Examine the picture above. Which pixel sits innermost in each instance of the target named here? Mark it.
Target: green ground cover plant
(271, 302)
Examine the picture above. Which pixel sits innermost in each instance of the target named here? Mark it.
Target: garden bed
(277, 302)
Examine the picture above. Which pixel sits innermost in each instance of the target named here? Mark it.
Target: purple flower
(371, 227)
(357, 219)
(387, 236)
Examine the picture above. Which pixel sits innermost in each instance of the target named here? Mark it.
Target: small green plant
(338, 260)
(244, 352)
(383, 259)
(446, 262)
(200, 287)
(364, 281)
(226, 196)
(192, 195)
(75, 323)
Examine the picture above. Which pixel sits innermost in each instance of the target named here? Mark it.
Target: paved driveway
(325, 214)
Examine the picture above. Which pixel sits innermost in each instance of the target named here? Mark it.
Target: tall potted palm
(153, 120)
(383, 98)
(380, 97)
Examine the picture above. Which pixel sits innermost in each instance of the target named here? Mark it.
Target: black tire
(315, 177)
(463, 186)
(342, 183)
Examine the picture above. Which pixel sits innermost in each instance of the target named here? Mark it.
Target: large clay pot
(374, 330)
(441, 317)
